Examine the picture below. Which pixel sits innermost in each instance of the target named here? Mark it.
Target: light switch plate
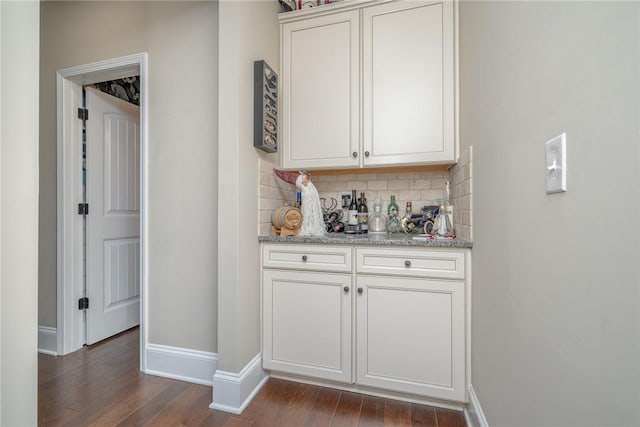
(556, 164)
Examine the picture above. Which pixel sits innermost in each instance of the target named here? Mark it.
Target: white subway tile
(466, 187)
(387, 176)
(366, 176)
(399, 184)
(409, 195)
(321, 186)
(466, 172)
(438, 184)
(265, 229)
(357, 185)
(431, 195)
(420, 184)
(336, 186)
(377, 185)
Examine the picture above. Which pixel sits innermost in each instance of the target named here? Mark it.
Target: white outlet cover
(556, 164)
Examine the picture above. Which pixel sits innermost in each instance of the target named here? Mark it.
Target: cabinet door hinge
(83, 303)
(83, 113)
(83, 208)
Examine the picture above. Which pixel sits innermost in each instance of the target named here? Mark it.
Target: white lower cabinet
(410, 336)
(307, 324)
(399, 318)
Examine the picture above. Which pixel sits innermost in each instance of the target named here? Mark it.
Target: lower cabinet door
(410, 336)
(307, 324)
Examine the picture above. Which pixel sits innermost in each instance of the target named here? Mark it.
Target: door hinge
(83, 303)
(83, 208)
(83, 113)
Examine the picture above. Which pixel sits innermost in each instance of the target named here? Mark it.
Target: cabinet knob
(354, 154)
(366, 154)
(304, 258)
(360, 290)
(407, 263)
(346, 289)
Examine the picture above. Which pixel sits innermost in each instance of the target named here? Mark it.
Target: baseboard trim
(48, 340)
(233, 392)
(473, 413)
(182, 364)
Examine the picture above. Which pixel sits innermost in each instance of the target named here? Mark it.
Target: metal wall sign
(265, 107)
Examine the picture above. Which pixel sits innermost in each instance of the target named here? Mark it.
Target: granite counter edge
(361, 241)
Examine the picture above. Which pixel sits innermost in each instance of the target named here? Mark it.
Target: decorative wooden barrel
(286, 221)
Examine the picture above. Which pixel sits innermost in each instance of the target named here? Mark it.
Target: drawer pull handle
(346, 289)
(304, 258)
(354, 154)
(360, 290)
(366, 154)
(407, 263)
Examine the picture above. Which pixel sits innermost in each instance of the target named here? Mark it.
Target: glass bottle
(363, 215)
(393, 206)
(442, 224)
(353, 209)
(377, 220)
(393, 218)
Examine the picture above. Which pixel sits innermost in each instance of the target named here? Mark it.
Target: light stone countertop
(371, 239)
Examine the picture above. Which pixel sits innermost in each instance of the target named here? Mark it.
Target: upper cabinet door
(321, 91)
(408, 83)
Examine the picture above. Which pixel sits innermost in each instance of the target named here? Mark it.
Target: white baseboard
(473, 412)
(233, 392)
(48, 340)
(183, 364)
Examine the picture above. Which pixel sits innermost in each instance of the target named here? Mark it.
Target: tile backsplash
(462, 194)
(420, 188)
(273, 193)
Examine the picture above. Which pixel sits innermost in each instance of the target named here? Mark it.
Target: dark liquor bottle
(363, 214)
(353, 209)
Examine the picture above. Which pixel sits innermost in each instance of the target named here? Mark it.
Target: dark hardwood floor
(102, 386)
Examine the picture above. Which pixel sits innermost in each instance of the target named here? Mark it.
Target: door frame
(70, 320)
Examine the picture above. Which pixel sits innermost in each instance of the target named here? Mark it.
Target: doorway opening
(122, 206)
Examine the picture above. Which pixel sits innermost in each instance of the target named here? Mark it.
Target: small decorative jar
(377, 220)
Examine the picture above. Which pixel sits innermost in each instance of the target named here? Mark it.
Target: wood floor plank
(348, 410)
(323, 408)
(188, 409)
(423, 416)
(397, 413)
(298, 407)
(258, 412)
(449, 418)
(372, 412)
(147, 388)
(216, 419)
(276, 395)
(145, 412)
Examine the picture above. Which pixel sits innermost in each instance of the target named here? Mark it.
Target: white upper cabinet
(321, 91)
(368, 84)
(408, 80)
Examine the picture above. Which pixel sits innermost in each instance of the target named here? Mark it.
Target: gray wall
(555, 299)
(181, 39)
(249, 31)
(18, 212)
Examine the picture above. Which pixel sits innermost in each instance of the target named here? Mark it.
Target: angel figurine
(312, 219)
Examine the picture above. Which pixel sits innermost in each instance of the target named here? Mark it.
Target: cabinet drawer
(440, 264)
(300, 257)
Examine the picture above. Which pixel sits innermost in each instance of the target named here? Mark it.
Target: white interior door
(113, 223)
